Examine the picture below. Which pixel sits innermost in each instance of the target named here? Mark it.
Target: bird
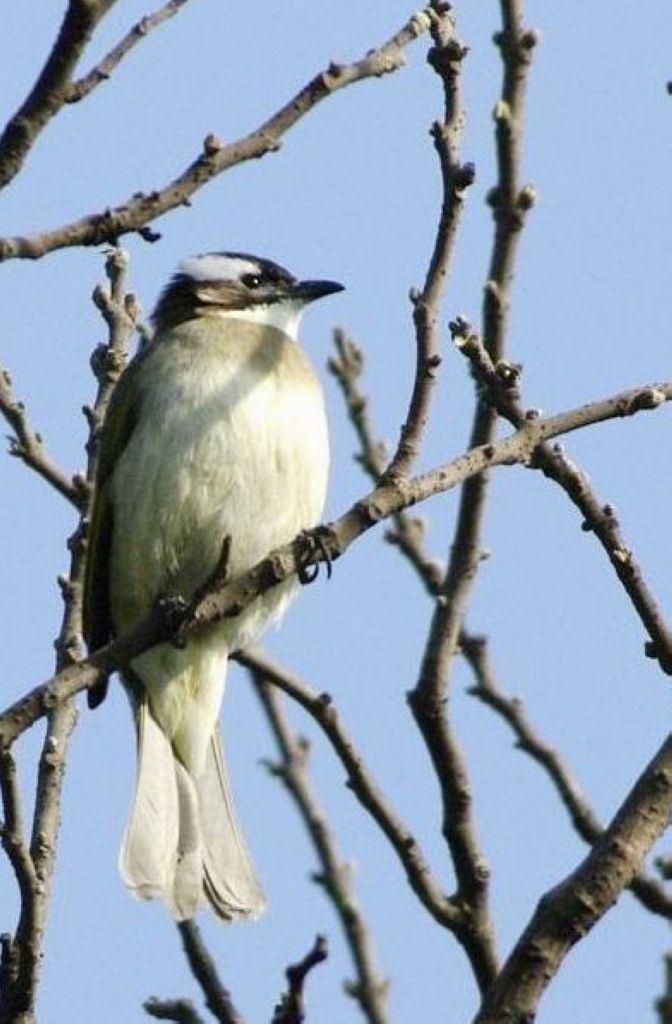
(216, 433)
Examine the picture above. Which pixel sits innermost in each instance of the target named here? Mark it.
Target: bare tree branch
(447, 758)
(76, 91)
(12, 833)
(369, 989)
(291, 1008)
(347, 366)
(319, 545)
(408, 531)
(501, 384)
(663, 1005)
(142, 208)
(49, 92)
(120, 311)
(509, 202)
(428, 699)
(320, 707)
(217, 998)
(33, 867)
(458, 826)
(24, 951)
(568, 911)
(445, 56)
(647, 889)
(180, 1010)
(27, 445)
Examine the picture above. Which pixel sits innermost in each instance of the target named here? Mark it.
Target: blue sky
(353, 195)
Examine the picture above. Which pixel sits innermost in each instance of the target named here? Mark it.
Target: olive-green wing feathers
(120, 420)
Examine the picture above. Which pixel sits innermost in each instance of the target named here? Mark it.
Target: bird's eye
(252, 280)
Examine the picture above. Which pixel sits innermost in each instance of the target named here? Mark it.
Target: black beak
(308, 291)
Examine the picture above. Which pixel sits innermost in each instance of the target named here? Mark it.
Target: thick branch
(568, 911)
(650, 892)
(142, 208)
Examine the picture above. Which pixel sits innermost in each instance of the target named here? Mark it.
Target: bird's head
(237, 285)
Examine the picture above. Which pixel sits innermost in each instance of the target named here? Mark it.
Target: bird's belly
(254, 472)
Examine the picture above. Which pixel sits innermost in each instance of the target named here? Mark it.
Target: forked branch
(136, 213)
(368, 988)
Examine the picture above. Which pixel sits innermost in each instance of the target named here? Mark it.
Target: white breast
(231, 441)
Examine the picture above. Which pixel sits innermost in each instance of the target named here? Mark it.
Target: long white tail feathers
(229, 880)
(182, 843)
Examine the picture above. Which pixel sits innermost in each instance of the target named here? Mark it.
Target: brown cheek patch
(220, 293)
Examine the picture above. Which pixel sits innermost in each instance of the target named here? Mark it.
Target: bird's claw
(310, 543)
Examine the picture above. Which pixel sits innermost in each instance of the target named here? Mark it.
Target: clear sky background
(353, 196)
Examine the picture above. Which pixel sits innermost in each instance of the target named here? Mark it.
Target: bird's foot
(172, 611)
(311, 545)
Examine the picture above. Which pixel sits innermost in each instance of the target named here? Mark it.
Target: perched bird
(215, 430)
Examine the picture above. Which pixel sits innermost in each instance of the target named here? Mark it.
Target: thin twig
(291, 1008)
(476, 935)
(648, 890)
(49, 92)
(445, 57)
(180, 1010)
(321, 709)
(136, 213)
(568, 911)
(346, 366)
(325, 543)
(510, 202)
(428, 699)
(202, 966)
(663, 1005)
(19, 993)
(27, 445)
(79, 89)
(120, 312)
(369, 989)
(12, 833)
(500, 382)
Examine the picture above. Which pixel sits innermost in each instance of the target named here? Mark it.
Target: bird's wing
(120, 420)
